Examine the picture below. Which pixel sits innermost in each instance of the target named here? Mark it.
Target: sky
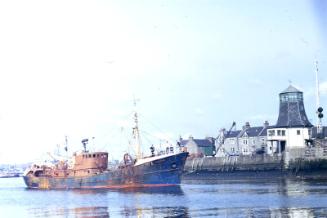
(73, 68)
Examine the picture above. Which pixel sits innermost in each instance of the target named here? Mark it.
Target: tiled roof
(199, 142)
(264, 131)
(253, 131)
(232, 134)
(203, 142)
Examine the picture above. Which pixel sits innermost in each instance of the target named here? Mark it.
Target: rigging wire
(156, 127)
(154, 136)
(114, 131)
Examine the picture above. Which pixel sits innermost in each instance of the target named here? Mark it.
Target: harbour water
(194, 198)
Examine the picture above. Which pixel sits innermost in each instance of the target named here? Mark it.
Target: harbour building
(293, 129)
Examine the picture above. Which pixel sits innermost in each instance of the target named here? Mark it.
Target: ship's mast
(136, 133)
(66, 143)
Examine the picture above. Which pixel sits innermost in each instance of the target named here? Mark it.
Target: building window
(283, 132)
(271, 132)
(291, 97)
(279, 132)
(298, 132)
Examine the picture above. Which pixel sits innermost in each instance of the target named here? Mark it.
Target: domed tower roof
(290, 89)
(291, 109)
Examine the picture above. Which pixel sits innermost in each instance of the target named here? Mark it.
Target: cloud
(312, 91)
(186, 135)
(260, 118)
(256, 82)
(309, 93)
(323, 88)
(199, 111)
(217, 96)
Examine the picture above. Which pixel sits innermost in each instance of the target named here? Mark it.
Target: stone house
(247, 141)
(253, 139)
(199, 147)
(230, 145)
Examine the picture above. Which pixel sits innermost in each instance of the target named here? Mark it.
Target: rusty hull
(163, 172)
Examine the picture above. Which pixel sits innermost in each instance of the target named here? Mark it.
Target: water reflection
(253, 212)
(90, 212)
(155, 212)
(134, 202)
(141, 204)
(171, 190)
(199, 198)
(96, 212)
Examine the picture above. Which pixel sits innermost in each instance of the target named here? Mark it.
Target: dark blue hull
(165, 171)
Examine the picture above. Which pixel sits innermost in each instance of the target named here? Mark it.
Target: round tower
(291, 109)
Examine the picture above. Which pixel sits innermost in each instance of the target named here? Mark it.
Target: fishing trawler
(89, 170)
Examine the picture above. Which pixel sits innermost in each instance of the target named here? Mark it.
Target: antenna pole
(319, 124)
(317, 86)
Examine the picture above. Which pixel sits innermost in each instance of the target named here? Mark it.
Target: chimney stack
(266, 124)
